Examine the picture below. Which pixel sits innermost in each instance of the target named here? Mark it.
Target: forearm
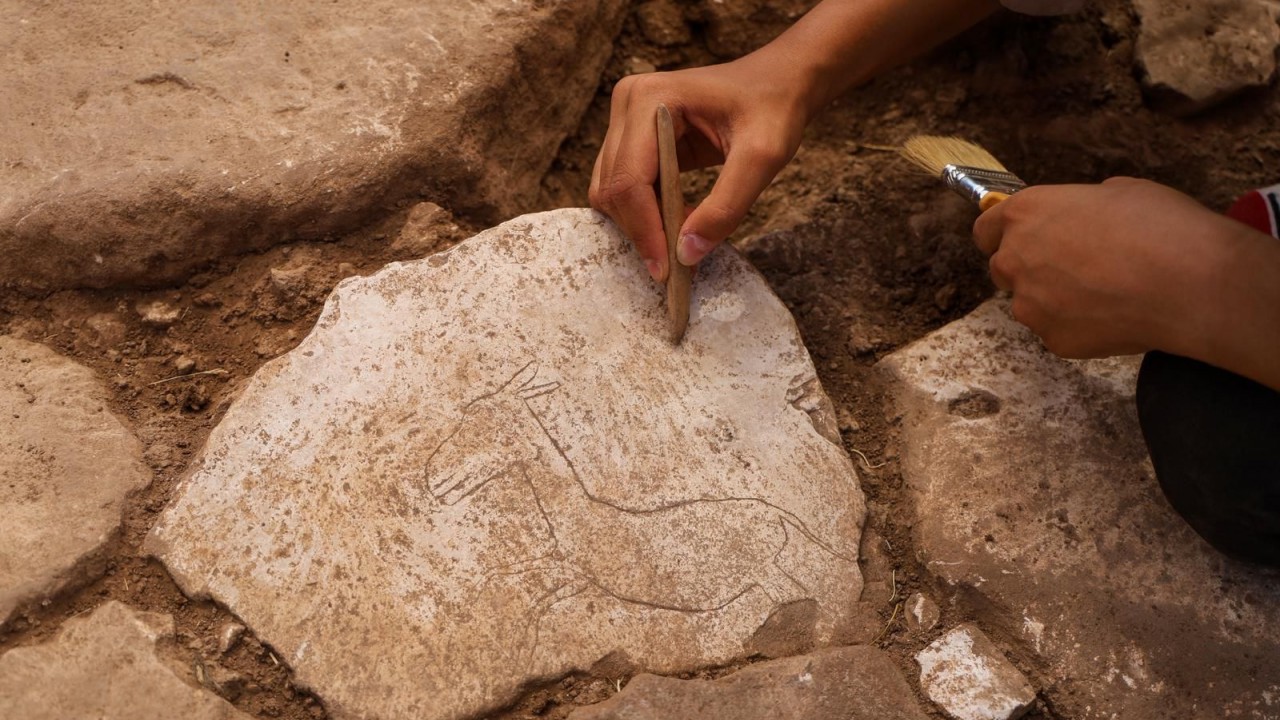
(842, 43)
(1240, 323)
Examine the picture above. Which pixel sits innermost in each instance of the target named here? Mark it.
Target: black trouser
(1214, 438)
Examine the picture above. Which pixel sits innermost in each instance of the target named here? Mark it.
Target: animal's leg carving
(542, 606)
(775, 581)
(829, 578)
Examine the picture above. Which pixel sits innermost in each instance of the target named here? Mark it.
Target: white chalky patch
(964, 674)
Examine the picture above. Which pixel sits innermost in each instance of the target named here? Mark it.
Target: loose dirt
(866, 253)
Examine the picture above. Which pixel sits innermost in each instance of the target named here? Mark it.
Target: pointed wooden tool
(679, 277)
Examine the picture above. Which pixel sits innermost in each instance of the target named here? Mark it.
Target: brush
(965, 167)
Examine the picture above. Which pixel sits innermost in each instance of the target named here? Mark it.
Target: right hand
(747, 114)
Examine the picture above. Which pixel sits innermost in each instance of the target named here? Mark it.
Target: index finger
(628, 189)
(988, 229)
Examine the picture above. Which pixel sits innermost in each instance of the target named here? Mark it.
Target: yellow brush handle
(991, 200)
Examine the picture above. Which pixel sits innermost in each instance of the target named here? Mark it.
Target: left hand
(1118, 268)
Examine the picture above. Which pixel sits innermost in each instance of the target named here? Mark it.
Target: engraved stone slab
(142, 140)
(490, 466)
(66, 466)
(1034, 493)
(104, 666)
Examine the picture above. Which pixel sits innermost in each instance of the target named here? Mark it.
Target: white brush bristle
(932, 153)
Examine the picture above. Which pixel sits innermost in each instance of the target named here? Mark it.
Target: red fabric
(1252, 210)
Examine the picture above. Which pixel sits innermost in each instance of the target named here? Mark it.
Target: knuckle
(624, 86)
(766, 153)
(1003, 264)
(719, 214)
(638, 85)
(1026, 194)
(1021, 204)
(618, 188)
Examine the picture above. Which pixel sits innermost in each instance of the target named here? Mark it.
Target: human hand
(747, 114)
(1122, 267)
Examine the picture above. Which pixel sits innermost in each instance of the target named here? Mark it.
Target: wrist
(840, 44)
(1233, 321)
(799, 75)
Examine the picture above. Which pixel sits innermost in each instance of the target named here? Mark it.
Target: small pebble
(229, 637)
(158, 313)
(922, 613)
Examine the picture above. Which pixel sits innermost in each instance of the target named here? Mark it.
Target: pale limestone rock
(427, 229)
(229, 637)
(158, 313)
(1033, 490)
(1195, 54)
(143, 140)
(492, 462)
(969, 679)
(922, 613)
(66, 466)
(106, 667)
(109, 331)
(848, 683)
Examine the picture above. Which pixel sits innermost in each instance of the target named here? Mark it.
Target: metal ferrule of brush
(976, 183)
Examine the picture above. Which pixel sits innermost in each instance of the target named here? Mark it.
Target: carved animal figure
(695, 555)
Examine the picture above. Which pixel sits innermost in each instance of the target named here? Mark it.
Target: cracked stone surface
(104, 666)
(1033, 493)
(143, 140)
(492, 461)
(1196, 54)
(66, 465)
(848, 683)
(970, 679)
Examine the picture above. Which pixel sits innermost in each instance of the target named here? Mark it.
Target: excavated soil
(867, 254)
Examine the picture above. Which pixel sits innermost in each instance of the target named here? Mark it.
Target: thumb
(746, 174)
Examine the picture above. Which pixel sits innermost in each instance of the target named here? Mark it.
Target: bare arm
(1240, 325)
(749, 114)
(843, 43)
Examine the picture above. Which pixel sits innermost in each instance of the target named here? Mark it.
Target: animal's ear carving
(524, 383)
(523, 377)
(532, 392)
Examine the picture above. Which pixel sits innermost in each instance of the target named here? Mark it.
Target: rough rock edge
(92, 564)
(453, 174)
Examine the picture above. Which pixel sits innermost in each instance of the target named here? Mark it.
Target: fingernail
(692, 248)
(655, 269)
